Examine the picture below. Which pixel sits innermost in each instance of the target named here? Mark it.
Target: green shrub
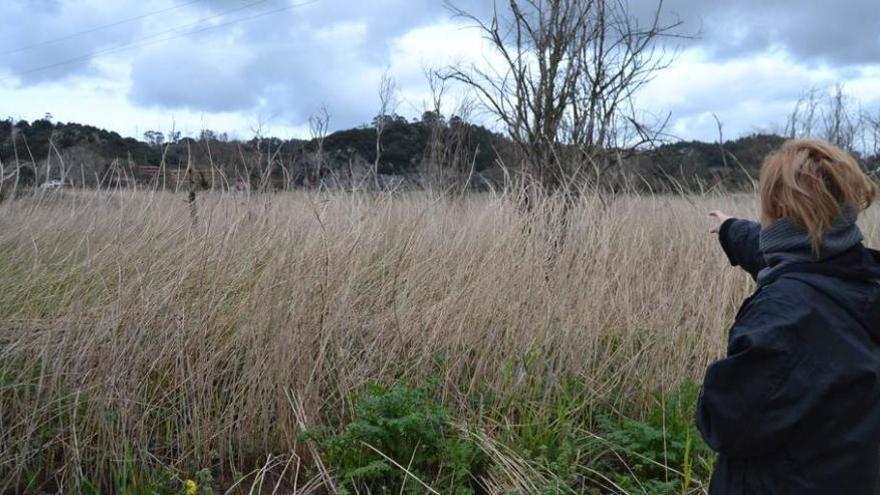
(397, 428)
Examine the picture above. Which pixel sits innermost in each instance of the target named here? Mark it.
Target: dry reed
(129, 332)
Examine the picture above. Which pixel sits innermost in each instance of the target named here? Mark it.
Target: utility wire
(98, 28)
(148, 40)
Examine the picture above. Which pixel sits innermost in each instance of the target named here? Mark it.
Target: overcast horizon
(237, 65)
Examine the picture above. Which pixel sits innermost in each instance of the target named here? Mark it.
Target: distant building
(52, 184)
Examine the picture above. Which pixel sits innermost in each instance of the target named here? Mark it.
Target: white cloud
(749, 94)
(434, 46)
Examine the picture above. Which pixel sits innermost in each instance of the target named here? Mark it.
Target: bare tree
(449, 160)
(387, 108)
(564, 87)
(802, 119)
(831, 116)
(840, 120)
(319, 125)
(871, 134)
(433, 172)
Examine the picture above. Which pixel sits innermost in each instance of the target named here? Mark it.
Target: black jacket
(794, 408)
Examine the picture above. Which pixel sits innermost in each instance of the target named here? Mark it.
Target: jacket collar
(857, 263)
(784, 242)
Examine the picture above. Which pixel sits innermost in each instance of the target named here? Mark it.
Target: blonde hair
(812, 182)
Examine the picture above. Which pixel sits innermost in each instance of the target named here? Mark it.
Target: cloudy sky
(238, 65)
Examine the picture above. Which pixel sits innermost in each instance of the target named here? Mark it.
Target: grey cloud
(327, 52)
(833, 32)
(28, 25)
(185, 78)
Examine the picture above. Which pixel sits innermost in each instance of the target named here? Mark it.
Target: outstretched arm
(740, 240)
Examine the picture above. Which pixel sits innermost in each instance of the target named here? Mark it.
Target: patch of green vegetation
(568, 445)
(550, 436)
(662, 454)
(580, 446)
(397, 439)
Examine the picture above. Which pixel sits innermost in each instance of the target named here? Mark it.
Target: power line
(97, 28)
(148, 40)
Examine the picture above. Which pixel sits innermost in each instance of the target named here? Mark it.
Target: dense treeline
(86, 155)
(412, 153)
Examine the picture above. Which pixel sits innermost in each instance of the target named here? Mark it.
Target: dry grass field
(141, 348)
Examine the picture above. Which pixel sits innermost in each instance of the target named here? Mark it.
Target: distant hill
(411, 151)
(86, 155)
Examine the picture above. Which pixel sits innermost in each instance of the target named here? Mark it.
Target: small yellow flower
(190, 487)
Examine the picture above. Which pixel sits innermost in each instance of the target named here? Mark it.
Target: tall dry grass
(130, 334)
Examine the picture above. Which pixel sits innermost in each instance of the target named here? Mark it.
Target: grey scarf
(783, 242)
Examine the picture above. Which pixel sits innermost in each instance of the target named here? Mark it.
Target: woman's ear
(778, 212)
(771, 214)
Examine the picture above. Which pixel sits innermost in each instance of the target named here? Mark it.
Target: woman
(795, 405)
